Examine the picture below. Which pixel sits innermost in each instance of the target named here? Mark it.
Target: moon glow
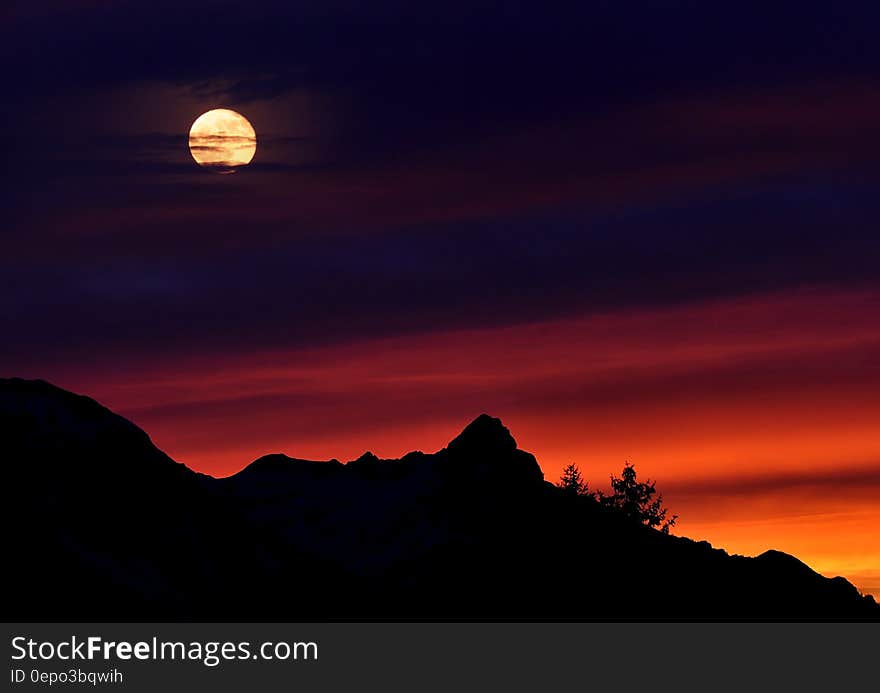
(222, 140)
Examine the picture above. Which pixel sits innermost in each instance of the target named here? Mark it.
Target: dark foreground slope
(102, 525)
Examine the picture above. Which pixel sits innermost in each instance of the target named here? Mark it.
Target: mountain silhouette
(101, 525)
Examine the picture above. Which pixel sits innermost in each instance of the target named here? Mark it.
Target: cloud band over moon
(222, 140)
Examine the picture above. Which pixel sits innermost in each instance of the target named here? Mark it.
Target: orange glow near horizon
(757, 416)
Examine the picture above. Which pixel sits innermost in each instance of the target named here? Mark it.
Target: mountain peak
(484, 435)
(367, 458)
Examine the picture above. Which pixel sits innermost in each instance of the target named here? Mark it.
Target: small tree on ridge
(573, 482)
(636, 500)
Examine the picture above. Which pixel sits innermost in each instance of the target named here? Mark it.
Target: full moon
(222, 140)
